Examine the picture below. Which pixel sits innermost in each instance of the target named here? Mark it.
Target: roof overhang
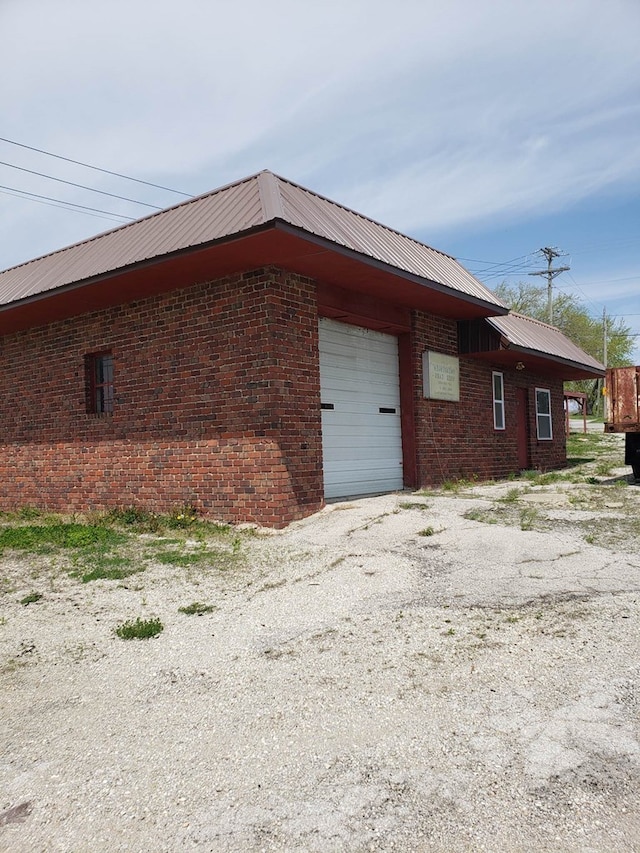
(277, 244)
(531, 361)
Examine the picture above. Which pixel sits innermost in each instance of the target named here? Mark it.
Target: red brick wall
(217, 406)
(216, 388)
(458, 440)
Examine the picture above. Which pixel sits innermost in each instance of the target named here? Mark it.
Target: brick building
(257, 350)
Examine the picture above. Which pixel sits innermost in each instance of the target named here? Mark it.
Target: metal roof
(240, 207)
(527, 334)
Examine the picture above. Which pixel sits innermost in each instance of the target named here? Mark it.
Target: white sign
(440, 376)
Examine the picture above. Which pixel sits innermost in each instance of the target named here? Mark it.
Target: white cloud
(426, 115)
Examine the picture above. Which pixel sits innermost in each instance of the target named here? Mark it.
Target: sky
(488, 130)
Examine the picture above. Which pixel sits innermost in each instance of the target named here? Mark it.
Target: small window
(498, 401)
(543, 414)
(99, 373)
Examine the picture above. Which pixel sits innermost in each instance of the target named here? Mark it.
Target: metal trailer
(622, 411)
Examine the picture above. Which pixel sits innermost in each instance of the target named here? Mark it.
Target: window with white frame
(498, 400)
(543, 414)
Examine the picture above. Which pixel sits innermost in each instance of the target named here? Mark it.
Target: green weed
(31, 598)
(196, 609)
(528, 518)
(141, 629)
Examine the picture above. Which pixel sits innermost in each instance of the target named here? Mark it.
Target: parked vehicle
(622, 411)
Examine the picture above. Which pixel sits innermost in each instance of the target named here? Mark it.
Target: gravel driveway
(393, 674)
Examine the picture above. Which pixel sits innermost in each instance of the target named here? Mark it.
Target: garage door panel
(362, 446)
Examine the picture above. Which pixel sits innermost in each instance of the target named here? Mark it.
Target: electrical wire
(65, 205)
(95, 168)
(80, 186)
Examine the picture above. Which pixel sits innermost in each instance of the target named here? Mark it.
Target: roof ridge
(270, 196)
(362, 216)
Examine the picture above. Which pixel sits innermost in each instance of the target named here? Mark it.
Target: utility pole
(604, 332)
(550, 274)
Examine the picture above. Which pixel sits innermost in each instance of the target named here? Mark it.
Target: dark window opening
(99, 373)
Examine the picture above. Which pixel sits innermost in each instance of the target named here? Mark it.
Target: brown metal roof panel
(219, 214)
(325, 218)
(233, 209)
(525, 332)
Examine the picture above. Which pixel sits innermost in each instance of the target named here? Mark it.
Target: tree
(574, 321)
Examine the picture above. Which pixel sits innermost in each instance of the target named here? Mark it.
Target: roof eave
(452, 295)
(513, 354)
(490, 308)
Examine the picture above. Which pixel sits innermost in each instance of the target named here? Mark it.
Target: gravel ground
(388, 675)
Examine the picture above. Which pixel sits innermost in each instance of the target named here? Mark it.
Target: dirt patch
(357, 684)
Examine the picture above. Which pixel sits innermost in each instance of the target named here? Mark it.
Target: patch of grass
(528, 518)
(28, 513)
(196, 609)
(603, 469)
(484, 515)
(456, 486)
(141, 629)
(550, 477)
(184, 558)
(31, 598)
(511, 496)
(136, 518)
(413, 505)
(428, 531)
(112, 568)
(184, 518)
(47, 538)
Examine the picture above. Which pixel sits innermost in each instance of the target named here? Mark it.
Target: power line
(95, 168)
(79, 186)
(65, 205)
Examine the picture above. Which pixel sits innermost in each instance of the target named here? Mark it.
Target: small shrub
(196, 609)
(141, 629)
(428, 531)
(135, 517)
(31, 598)
(511, 496)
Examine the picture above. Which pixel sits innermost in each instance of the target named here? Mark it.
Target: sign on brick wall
(440, 376)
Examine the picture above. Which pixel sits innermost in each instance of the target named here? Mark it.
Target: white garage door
(360, 395)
